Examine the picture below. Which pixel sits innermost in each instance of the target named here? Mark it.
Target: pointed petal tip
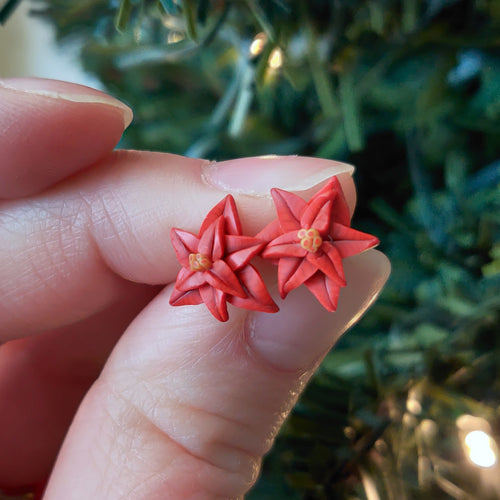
(228, 203)
(273, 308)
(330, 308)
(189, 298)
(221, 318)
(268, 308)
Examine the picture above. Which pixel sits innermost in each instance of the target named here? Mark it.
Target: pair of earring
(307, 241)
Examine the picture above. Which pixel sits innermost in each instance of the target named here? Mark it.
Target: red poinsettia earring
(308, 241)
(216, 265)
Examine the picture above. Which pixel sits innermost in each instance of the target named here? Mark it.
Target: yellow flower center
(199, 262)
(310, 239)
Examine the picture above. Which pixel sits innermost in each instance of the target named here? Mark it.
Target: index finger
(49, 130)
(69, 252)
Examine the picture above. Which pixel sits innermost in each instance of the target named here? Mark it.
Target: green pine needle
(349, 105)
(189, 11)
(7, 10)
(122, 18)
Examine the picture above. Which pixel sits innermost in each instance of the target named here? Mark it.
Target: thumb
(187, 406)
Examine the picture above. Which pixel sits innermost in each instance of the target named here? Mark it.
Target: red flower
(215, 265)
(309, 240)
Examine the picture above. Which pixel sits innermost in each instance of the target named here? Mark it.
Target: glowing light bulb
(258, 44)
(481, 449)
(275, 59)
(414, 406)
(174, 37)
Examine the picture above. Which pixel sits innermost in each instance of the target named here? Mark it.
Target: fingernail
(256, 176)
(298, 336)
(54, 89)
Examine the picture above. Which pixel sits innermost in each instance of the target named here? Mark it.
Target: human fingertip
(54, 89)
(258, 175)
(301, 333)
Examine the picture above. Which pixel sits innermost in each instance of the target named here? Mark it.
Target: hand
(161, 402)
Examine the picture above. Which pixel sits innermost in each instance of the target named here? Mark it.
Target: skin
(105, 388)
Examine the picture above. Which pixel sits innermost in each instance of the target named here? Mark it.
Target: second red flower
(308, 241)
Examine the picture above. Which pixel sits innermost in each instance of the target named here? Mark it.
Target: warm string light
(481, 449)
(258, 44)
(174, 37)
(413, 404)
(275, 60)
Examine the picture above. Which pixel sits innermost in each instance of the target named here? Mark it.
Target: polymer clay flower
(308, 241)
(215, 265)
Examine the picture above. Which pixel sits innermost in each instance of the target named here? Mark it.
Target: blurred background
(28, 48)
(407, 405)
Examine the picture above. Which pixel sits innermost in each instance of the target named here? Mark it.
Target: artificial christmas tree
(409, 92)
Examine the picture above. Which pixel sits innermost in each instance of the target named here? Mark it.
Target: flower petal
(271, 231)
(329, 262)
(189, 280)
(241, 249)
(219, 245)
(233, 224)
(349, 241)
(215, 300)
(205, 246)
(189, 298)
(318, 214)
(258, 298)
(326, 291)
(184, 243)
(212, 240)
(333, 184)
(286, 267)
(285, 245)
(340, 209)
(303, 272)
(286, 238)
(212, 216)
(289, 208)
(227, 209)
(282, 251)
(222, 277)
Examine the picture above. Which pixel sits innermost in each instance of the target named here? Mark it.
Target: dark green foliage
(409, 92)
(7, 8)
